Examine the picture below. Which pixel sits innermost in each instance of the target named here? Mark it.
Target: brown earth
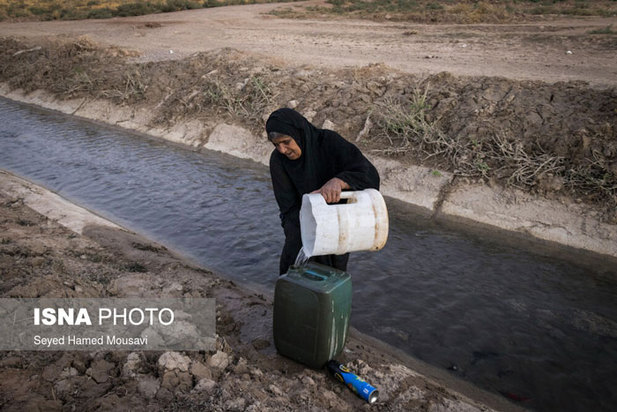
(525, 51)
(41, 258)
(505, 104)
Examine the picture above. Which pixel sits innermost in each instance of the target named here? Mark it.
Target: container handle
(344, 195)
(348, 195)
(310, 274)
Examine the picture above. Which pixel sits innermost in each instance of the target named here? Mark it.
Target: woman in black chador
(311, 160)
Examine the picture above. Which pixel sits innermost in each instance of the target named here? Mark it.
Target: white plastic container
(360, 224)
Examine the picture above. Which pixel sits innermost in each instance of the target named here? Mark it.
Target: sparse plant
(521, 168)
(253, 98)
(606, 30)
(247, 100)
(405, 124)
(594, 178)
(130, 89)
(462, 12)
(99, 9)
(216, 93)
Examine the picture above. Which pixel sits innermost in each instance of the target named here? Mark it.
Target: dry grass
(246, 100)
(101, 9)
(430, 121)
(451, 11)
(405, 128)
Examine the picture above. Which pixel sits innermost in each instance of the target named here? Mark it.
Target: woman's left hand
(331, 191)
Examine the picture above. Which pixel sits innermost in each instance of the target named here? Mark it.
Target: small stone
(327, 124)
(219, 360)
(164, 395)
(241, 368)
(177, 381)
(275, 390)
(200, 371)
(38, 261)
(205, 385)
(235, 404)
(174, 360)
(309, 115)
(308, 381)
(68, 372)
(254, 407)
(257, 373)
(99, 371)
(148, 386)
(63, 387)
(174, 287)
(131, 366)
(292, 104)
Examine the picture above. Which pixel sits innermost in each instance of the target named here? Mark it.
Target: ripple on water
(513, 322)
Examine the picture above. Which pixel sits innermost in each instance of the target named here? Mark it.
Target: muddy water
(536, 329)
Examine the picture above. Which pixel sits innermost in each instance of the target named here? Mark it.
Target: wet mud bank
(438, 194)
(53, 248)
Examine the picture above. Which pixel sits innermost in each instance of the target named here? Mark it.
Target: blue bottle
(352, 381)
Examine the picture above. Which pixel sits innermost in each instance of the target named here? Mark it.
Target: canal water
(535, 328)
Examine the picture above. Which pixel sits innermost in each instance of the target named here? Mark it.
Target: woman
(311, 160)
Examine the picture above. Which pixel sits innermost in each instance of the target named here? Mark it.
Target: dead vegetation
(100, 9)
(554, 139)
(457, 12)
(499, 153)
(246, 100)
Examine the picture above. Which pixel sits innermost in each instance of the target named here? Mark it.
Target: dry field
(424, 11)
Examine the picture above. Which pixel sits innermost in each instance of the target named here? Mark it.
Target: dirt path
(532, 51)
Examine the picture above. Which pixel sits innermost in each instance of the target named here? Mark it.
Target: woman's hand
(331, 191)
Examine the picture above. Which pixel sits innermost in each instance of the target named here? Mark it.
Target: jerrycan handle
(344, 195)
(314, 275)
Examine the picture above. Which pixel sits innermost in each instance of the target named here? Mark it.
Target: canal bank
(53, 248)
(438, 194)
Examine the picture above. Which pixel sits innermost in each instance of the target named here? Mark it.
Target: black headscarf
(325, 154)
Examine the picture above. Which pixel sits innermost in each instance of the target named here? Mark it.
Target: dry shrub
(535, 136)
(404, 127)
(480, 12)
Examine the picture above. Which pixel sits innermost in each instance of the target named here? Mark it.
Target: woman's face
(287, 145)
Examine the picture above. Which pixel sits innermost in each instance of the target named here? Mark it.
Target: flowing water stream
(533, 327)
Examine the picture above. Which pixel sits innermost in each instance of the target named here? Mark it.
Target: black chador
(325, 155)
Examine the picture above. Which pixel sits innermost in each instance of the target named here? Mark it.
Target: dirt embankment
(553, 139)
(498, 151)
(41, 258)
